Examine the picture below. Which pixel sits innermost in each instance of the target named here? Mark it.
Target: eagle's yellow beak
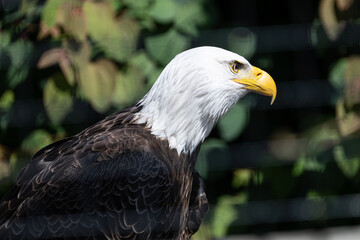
(261, 82)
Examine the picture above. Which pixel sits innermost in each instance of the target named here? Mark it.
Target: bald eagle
(132, 175)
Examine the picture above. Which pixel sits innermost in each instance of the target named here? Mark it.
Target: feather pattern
(114, 180)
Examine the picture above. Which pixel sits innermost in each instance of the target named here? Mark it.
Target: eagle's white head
(194, 90)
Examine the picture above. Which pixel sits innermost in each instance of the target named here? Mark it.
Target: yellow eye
(236, 66)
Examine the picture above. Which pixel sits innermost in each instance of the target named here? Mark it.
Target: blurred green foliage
(72, 53)
(60, 58)
(314, 163)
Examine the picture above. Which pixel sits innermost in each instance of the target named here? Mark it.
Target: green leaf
(314, 195)
(139, 10)
(99, 15)
(163, 11)
(234, 122)
(4, 165)
(348, 165)
(67, 70)
(118, 39)
(320, 137)
(258, 178)
(17, 161)
(165, 46)
(57, 99)
(352, 80)
(129, 86)
(7, 99)
(242, 177)
(97, 81)
(116, 4)
(214, 158)
(20, 54)
(72, 18)
(78, 52)
(129, 31)
(152, 79)
(50, 10)
(204, 232)
(304, 164)
(5, 39)
(30, 9)
(188, 16)
(299, 167)
(4, 121)
(143, 63)
(225, 213)
(137, 4)
(147, 67)
(36, 140)
(20, 50)
(348, 122)
(337, 75)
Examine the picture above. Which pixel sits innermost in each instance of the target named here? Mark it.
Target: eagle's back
(114, 180)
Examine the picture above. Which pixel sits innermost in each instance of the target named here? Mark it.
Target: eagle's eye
(236, 66)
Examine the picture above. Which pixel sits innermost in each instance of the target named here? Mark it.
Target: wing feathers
(110, 181)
